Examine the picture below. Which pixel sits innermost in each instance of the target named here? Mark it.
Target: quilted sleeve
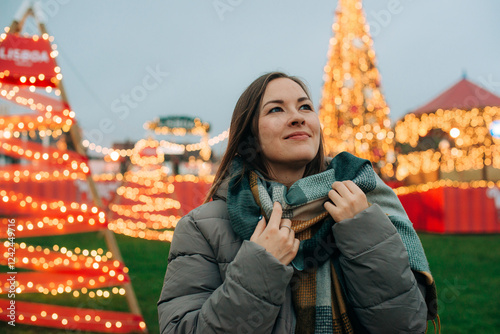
(195, 298)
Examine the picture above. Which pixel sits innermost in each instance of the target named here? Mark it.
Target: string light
(18, 174)
(143, 181)
(133, 229)
(146, 152)
(153, 213)
(474, 147)
(444, 183)
(34, 203)
(69, 270)
(37, 152)
(164, 144)
(20, 123)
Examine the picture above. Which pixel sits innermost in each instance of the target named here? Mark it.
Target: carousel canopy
(463, 95)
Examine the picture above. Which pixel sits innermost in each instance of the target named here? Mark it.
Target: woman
(290, 242)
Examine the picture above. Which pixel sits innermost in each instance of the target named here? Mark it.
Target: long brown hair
(244, 133)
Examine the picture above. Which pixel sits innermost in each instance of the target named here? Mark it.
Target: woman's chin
(299, 161)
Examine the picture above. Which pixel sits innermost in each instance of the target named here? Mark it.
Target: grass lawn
(466, 269)
(467, 273)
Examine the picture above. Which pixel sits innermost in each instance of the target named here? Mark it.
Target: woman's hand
(277, 237)
(347, 200)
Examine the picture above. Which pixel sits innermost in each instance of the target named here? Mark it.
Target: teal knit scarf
(244, 211)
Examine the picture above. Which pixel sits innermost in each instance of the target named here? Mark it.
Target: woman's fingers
(347, 200)
(275, 219)
(296, 244)
(277, 237)
(286, 226)
(332, 210)
(341, 188)
(353, 188)
(335, 197)
(259, 229)
(293, 252)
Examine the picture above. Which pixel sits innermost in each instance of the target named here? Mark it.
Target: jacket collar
(221, 193)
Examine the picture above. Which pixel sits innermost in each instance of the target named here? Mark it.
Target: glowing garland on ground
(91, 319)
(88, 268)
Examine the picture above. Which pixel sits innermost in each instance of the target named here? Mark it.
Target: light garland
(162, 143)
(37, 152)
(21, 173)
(74, 269)
(159, 204)
(85, 319)
(151, 215)
(473, 125)
(14, 124)
(471, 158)
(142, 181)
(47, 226)
(418, 188)
(474, 147)
(26, 203)
(146, 153)
(144, 194)
(157, 222)
(132, 230)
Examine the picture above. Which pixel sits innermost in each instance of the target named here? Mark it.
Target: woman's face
(289, 128)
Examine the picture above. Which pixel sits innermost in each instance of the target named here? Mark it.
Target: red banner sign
(27, 61)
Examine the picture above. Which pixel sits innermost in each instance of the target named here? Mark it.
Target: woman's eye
(306, 107)
(275, 109)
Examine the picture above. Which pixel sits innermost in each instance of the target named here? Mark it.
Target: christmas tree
(39, 201)
(353, 111)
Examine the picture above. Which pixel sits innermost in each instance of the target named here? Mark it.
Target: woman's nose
(297, 118)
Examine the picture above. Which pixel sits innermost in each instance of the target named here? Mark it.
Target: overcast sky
(196, 57)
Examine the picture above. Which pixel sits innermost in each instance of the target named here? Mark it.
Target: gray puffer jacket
(218, 283)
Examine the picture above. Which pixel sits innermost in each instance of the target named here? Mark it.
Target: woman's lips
(298, 137)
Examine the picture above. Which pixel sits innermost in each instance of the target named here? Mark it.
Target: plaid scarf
(317, 294)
